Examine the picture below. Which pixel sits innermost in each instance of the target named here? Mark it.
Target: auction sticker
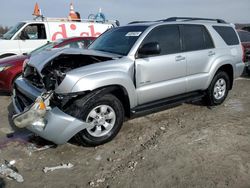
(133, 34)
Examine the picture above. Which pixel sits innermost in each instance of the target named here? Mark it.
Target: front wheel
(218, 89)
(105, 114)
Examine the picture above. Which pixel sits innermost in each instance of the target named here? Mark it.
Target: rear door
(199, 51)
(161, 76)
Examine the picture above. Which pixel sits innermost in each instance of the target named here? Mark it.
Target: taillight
(243, 54)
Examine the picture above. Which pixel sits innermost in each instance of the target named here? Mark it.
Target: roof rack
(135, 22)
(42, 18)
(172, 19)
(192, 19)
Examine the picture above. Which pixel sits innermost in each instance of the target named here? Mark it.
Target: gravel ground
(187, 146)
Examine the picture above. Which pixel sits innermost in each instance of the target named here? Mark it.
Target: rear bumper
(239, 68)
(59, 126)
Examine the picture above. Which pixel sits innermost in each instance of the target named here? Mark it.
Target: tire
(218, 89)
(105, 112)
(248, 70)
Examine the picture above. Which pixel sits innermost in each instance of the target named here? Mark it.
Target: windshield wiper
(109, 51)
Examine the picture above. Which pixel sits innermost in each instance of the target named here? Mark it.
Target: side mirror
(151, 48)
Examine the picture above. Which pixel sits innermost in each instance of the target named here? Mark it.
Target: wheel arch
(228, 68)
(119, 92)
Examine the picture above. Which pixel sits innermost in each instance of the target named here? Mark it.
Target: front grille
(31, 74)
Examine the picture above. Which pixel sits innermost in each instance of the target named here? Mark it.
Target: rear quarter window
(227, 34)
(244, 36)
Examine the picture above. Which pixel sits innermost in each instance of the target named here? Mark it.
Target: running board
(166, 103)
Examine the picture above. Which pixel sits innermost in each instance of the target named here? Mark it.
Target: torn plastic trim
(59, 127)
(34, 114)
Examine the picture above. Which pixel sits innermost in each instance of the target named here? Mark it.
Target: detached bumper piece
(34, 115)
(50, 123)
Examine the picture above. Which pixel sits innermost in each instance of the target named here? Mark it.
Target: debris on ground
(100, 180)
(97, 182)
(9, 170)
(62, 166)
(132, 164)
(163, 128)
(10, 135)
(34, 147)
(98, 158)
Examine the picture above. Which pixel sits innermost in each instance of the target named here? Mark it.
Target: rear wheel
(105, 114)
(218, 89)
(248, 70)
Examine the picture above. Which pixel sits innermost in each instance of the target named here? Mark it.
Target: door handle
(179, 58)
(211, 53)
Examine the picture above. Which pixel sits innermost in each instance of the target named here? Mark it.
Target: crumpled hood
(40, 60)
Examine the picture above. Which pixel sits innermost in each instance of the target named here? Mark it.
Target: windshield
(118, 40)
(47, 46)
(13, 31)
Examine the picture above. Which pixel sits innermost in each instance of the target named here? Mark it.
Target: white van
(29, 35)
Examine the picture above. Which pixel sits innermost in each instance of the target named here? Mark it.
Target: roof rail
(135, 22)
(192, 19)
(172, 19)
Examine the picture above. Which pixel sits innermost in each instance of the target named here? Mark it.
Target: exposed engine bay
(55, 70)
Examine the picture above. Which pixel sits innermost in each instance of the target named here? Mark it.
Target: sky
(234, 11)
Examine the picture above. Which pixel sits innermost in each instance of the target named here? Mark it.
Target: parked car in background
(247, 28)
(29, 35)
(11, 67)
(245, 41)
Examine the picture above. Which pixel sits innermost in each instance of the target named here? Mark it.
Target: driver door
(162, 75)
(32, 37)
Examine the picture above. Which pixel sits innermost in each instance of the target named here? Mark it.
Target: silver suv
(136, 69)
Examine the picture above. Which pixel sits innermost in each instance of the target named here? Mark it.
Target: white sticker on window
(133, 34)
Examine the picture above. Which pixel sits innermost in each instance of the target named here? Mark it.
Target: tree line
(3, 29)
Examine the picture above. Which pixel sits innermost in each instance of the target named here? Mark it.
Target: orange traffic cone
(72, 13)
(36, 11)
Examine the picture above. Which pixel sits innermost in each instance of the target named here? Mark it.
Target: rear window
(196, 37)
(227, 34)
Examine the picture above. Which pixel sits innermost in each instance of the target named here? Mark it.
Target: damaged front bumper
(50, 123)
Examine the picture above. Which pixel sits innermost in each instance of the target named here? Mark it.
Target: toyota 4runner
(136, 69)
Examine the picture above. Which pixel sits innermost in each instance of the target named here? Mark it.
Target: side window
(208, 39)
(244, 36)
(77, 44)
(196, 37)
(84, 43)
(227, 34)
(33, 32)
(168, 37)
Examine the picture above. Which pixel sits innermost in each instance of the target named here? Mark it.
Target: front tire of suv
(106, 114)
(218, 89)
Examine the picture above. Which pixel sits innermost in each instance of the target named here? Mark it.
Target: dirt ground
(187, 146)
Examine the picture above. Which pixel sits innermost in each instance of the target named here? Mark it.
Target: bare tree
(3, 29)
